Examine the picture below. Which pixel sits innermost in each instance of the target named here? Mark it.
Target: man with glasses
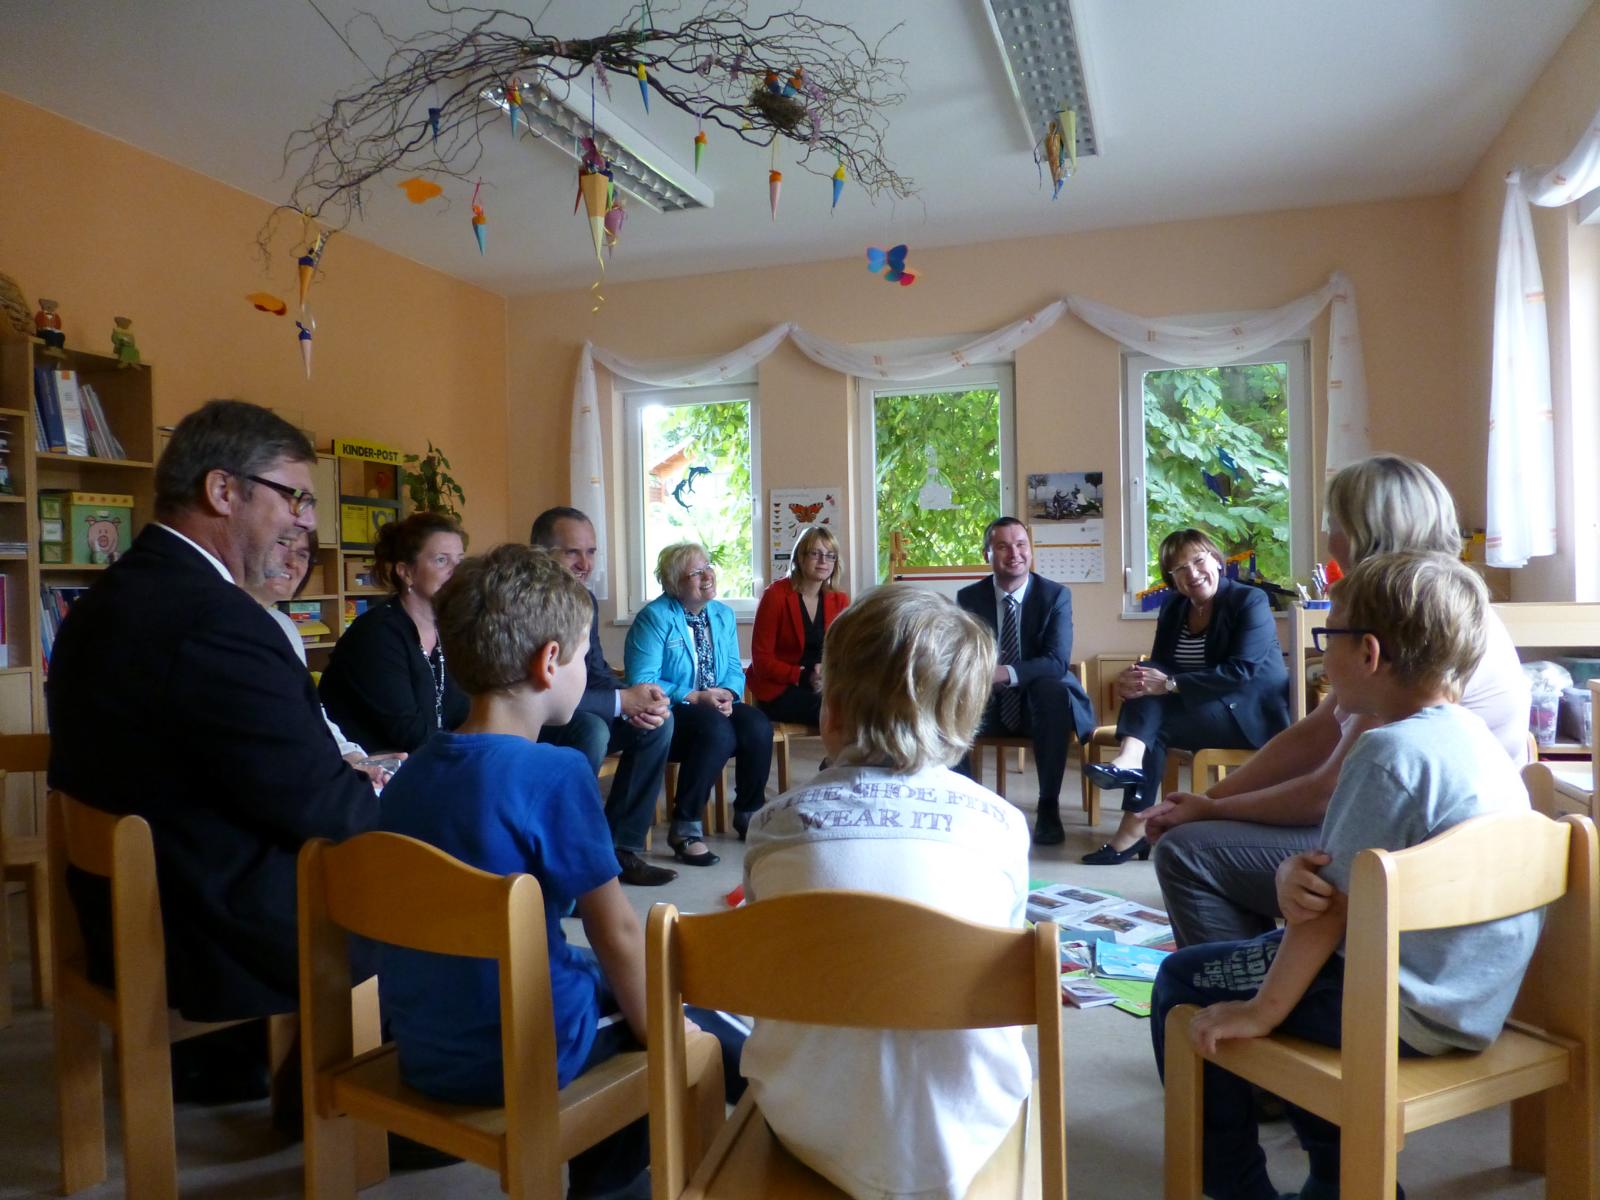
(173, 695)
(635, 722)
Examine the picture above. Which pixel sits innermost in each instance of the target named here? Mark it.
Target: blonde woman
(793, 616)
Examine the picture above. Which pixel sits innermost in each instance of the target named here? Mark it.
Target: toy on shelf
(122, 343)
(47, 324)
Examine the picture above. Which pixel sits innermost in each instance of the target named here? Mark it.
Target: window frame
(1001, 376)
(1303, 496)
(642, 585)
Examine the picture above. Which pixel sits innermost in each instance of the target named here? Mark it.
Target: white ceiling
(1201, 109)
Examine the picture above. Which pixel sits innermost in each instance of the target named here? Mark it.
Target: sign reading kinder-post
(366, 451)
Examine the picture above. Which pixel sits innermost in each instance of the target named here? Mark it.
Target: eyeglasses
(1321, 634)
(701, 572)
(826, 556)
(299, 499)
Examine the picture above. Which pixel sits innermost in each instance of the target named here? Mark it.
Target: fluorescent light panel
(1039, 43)
(639, 167)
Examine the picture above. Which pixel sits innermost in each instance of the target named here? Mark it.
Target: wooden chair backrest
(1541, 785)
(1486, 868)
(857, 960)
(1302, 621)
(23, 753)
(119, 849)
(403, 892)
(1594, 739)
(1551, 624)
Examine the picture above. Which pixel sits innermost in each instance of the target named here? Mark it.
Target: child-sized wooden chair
(23, 860)
(401, 891)
(852, 959)
(1544, 1060)
(119, 850)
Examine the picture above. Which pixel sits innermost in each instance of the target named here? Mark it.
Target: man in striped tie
(1035, 693)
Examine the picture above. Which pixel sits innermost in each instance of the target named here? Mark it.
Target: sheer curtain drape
(1522, 463)
(1180, 343)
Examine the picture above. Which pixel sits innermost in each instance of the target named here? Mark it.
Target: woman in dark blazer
(387, 684)
(793, 616)
(1215, 678)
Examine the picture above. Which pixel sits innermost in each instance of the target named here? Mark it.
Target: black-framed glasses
(299, 499)
(1321, 634)
(826, 556)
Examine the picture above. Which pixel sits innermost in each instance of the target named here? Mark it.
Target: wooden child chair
(1543, 1061)
(23, 860)
(401, 891)
(853, 959)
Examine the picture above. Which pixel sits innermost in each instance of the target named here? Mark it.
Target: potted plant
(431, 486)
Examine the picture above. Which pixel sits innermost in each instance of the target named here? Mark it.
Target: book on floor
(1085, 914)
(1113, 960)
(1086, 993)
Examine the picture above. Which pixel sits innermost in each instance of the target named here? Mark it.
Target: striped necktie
(1010, 652)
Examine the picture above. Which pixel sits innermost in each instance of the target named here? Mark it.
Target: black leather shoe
(704, 859)
(1047, 829)
(634, 870)
(1104, 775)
(1107, 857)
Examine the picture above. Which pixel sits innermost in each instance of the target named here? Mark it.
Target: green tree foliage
(962, 430)
(720, 512)
(1192, 414)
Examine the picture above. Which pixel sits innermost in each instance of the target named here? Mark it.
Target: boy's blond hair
(499, 608)
(1427, 611)
(906, 675)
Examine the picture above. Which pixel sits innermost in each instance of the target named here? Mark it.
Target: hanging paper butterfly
(895, 260)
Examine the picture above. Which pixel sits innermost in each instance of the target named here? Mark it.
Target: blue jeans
(1233, 1166)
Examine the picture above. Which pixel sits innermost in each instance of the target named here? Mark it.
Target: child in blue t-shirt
(1404, 633)
(513, 624)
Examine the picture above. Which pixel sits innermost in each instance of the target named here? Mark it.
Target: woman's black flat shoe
(1107, 857)
(1104, 775)
(704, 859)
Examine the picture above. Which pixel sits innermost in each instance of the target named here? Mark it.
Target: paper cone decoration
(478, 222)
(305, 346)
(1067, 119)
(774, 187)
(433, 123)
(308, 266)
(699, 149)
(594, 187)
(838, 187)
(514, 99)
(1053, 156)
(615, 216)
(644, 86)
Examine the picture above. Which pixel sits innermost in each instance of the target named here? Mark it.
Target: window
(939, 467)
(691, 456)
(1223, 449)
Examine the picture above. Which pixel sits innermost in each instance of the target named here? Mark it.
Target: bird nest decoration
(436, 95)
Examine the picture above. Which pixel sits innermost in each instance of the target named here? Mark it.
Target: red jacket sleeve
(771, 644)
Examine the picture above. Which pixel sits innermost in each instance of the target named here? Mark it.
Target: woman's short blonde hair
(1180, 545)
(906, 675)
(673, 560)
(497, 609)
(810, 537)
(1390, 503)
(1427, 611)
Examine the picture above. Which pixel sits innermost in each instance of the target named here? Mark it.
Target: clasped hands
(644, 705)
(720, 699)
(1141, 679)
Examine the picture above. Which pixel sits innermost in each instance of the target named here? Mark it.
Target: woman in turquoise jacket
(686, 642)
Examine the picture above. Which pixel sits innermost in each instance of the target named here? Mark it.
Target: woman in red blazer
(786, 644)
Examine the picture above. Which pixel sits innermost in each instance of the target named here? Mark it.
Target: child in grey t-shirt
(1404, 632)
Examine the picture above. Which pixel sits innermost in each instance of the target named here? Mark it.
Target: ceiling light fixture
(639, 167)
(1039, 44)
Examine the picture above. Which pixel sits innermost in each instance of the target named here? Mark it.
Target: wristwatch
(1172, 685)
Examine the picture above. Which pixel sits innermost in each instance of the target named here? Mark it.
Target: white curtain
(1183, 344)
(1522, 464)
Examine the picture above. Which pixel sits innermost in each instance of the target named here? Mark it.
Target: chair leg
(39, 935)
(1368, 1147)
(366, 1033)
(1183, 1104)
(80, 1099)
(144, 1078)
(1571, 1157)
(999, 771)
(5, 956)
(1528, 1133)
(780, 748)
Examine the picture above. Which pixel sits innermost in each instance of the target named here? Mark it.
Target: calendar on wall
(1070, 551)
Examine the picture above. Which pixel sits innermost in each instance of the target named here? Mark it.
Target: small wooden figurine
(122, 343)
(47, 324)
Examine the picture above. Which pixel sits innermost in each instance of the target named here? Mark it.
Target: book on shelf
(5, 631)
(55, 602)
(69, 397)
(47, 401)
(103, 440)
(1085, 914)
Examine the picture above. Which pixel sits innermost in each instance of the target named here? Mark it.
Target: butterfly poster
(789, 511)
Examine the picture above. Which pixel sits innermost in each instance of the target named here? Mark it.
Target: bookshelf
(127, 396)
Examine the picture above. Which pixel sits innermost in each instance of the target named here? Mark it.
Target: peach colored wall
(1541, 131)
(403, 353)
(1399, 254)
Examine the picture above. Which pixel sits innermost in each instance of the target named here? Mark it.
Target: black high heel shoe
(1107, 857)
(1104, 775)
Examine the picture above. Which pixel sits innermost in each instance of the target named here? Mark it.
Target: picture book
(1086, 914)
(1116, 961)
(1086, 993)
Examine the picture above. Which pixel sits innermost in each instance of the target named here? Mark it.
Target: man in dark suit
(173, 695)
(611, 719)
(1035, 692)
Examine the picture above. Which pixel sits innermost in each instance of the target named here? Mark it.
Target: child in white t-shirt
(892, 1113)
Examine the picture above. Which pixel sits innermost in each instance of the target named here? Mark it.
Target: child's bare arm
(617, 939)
(1305, 948)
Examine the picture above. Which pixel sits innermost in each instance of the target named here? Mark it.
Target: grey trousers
(1217, 877)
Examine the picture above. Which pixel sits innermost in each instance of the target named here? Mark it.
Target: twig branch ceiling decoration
(426, 111)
